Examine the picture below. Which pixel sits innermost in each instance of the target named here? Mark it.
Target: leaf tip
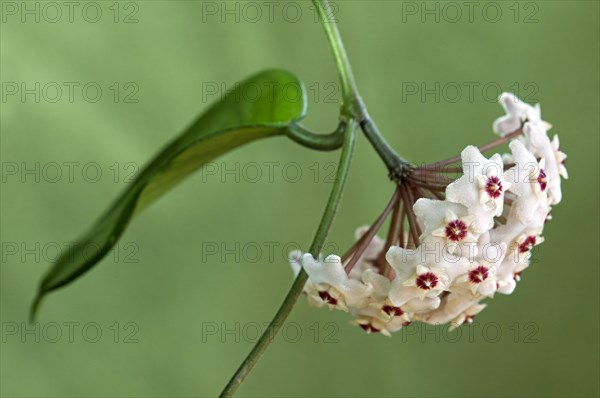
(35, 305)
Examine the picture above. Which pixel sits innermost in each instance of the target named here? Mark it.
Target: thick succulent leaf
(235, 120)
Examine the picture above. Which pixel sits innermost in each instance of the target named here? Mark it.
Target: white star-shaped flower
(528, 180)
(447, 224)
(457, 308)
(481, 187)
(370, 320)
(467, 315)
(329, 284)
(517, 113)
(422, 274)
(514, 228)
(560, 158)
(431, 281)
(480, 278)
(536, 140)
(508, 273)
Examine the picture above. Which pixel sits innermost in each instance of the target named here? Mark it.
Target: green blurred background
(176, 320)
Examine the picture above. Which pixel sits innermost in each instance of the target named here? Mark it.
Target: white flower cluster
(473, 243)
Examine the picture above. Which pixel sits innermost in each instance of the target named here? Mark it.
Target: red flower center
(456, 230)
(542, 180)
(392, 311)
(527, 244)
(427, 281)
(479, 274)
(367, 327)
(493, 187)
(326, 297)
(517, 276)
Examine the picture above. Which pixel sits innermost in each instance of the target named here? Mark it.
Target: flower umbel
(459, 233)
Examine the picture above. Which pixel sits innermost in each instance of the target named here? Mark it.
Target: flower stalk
(353, 105)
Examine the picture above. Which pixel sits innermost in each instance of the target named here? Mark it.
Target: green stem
(315, 248)
(397, 167)
(336, 191)
(321, 142)
(350, 95)
(353, 104)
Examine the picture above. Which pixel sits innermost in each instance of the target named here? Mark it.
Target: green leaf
(261, 106)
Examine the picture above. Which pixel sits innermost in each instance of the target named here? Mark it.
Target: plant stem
(315, 248)
(368, 236)
(350, 96)
(483, 148)
(353, 104)
(321, 142)
(397, 167)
